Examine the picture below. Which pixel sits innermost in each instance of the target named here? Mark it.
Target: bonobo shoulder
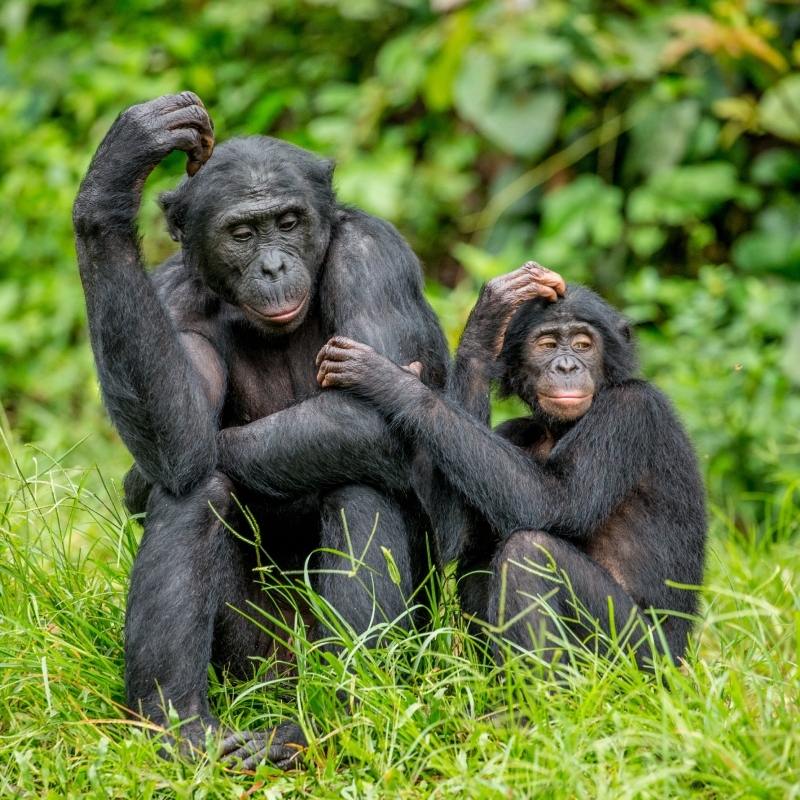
(644, 401)
(363, 245)
(190, 303)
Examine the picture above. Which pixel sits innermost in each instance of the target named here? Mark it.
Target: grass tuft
(429, 716)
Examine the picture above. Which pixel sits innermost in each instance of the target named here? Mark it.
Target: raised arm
(371, 289)
(470, 379)
(161, 403)
(569, 494)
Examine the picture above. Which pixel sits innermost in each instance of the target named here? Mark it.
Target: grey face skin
(265, 258)
(261, 245)
(564, 361)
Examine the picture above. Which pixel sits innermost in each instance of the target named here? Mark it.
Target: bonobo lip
(283, 317)
(566, 399)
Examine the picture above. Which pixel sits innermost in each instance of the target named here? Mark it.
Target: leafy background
(647, 149)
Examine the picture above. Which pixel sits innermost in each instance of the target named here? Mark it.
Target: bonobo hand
(145, 134)
(502, 296)
(346, 364)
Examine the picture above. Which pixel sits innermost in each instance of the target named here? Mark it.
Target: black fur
(215, 394)
(613, 498)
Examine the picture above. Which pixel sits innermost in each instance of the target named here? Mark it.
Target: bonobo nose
(273, 266)
(566, 365)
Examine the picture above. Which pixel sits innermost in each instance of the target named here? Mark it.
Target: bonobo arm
(572, 493)
(371, 288)
(319, 443)
(469, 381)
(154, 392)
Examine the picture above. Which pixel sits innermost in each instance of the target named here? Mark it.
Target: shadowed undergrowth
(429, 715)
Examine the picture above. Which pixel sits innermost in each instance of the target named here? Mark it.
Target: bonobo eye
(546, 343)
(287, 222)
(582, 342)
(242, 233)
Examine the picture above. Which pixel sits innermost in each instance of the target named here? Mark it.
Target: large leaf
(779, 109)
(774, 246)
(521, 121)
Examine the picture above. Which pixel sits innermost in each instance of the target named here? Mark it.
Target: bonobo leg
(186, 569)
(529, 572)
(364, 593)
(136, 490)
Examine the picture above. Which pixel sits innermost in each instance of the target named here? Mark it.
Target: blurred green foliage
(651, 150)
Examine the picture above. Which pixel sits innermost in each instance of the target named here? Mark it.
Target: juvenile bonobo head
(255, 222)
(557, 356)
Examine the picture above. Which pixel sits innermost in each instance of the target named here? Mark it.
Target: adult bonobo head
(256, 221)
(557, 355)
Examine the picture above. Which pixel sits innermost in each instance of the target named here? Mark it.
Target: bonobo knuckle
(492, 289)
(217, 490)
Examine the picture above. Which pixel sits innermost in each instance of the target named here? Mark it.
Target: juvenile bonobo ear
(174, 214)
(624, 329)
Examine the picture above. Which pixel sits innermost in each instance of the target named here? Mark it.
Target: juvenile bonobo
(207, 368)
(598, 488)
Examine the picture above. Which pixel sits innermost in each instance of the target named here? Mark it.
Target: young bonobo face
(565, 365)
(256, 222)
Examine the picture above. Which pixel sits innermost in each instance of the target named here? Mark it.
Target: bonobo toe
(284, 746)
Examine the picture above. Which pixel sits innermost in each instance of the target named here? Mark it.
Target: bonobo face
(565, 362)
(265, 258)
(255, 222)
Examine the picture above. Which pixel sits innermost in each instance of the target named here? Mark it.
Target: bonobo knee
(353, 496)
(211, 497)
(526, 547)
(360, 505)
(217, 490)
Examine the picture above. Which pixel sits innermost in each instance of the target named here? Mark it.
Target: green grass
(424, 723)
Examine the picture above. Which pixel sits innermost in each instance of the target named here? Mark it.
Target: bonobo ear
(171, 209)
(624, 329)
(327, 166)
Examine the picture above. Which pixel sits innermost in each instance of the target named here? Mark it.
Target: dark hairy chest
(267, 375)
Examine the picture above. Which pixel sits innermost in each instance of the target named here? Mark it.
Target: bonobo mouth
(282, 317)
(566, 399)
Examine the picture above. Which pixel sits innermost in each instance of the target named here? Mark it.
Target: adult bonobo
(207, 368)
(598, 485)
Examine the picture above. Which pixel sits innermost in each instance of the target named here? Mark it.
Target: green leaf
(779, 108)
(774, 246)
(522, 121)
(391, 564)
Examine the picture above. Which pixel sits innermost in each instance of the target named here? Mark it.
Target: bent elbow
(177, 467)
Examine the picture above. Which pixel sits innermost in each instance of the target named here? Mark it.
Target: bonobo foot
(284, 746)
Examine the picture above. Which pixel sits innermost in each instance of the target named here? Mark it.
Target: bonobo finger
(173, 102)
(327, 376)
(190, 117)
(533, 290)
(415, 368)
(331, 380)
(328, 368)
(337, 354)
(287, 756)
(338, 342)
(193, 132)
(546, 276)
(344, 343)
(190, 99)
